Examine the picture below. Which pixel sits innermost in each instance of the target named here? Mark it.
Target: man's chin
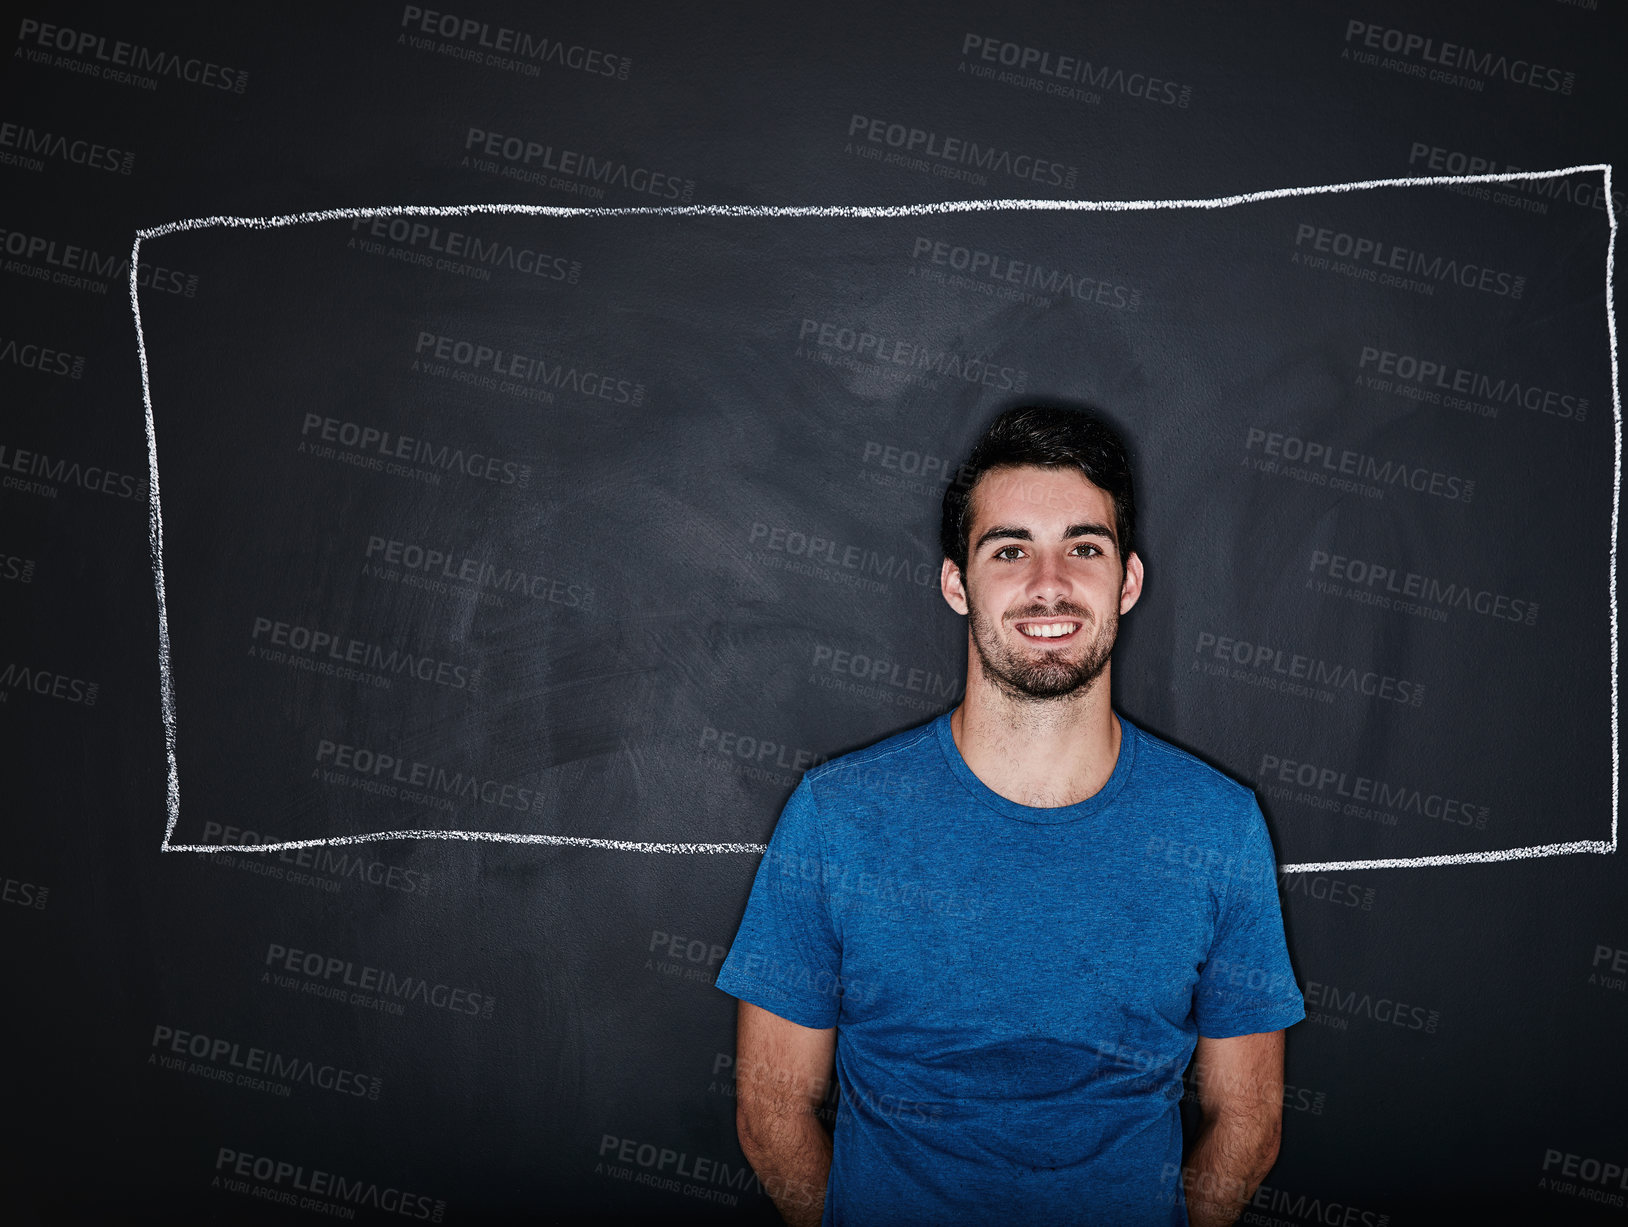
(1042, 684)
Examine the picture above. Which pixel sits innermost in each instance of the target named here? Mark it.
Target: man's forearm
(1227, 1164)
(791, 1154)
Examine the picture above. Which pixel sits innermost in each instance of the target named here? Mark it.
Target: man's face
(1044, 584)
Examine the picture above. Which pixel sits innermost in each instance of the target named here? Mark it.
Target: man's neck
(1039, 752)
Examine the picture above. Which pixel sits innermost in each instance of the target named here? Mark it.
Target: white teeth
(1050, 631)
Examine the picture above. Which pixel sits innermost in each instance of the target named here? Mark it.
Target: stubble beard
(1051, 676)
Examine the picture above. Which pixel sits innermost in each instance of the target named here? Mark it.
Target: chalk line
(493, 837)
(934, 208)
(155, 523)
(1458, 858)
(1616, 483)
(155, 543)
(625, 845)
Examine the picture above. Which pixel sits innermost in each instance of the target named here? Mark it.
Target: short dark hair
(1050, 437)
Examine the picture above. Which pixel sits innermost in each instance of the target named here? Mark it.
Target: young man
(1014, 926)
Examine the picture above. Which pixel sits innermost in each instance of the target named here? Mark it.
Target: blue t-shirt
(1016, 991)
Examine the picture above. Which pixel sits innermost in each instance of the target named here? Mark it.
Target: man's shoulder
(1164, 765)
(877, 766)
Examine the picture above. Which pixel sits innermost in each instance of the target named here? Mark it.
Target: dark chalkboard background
(607, 527)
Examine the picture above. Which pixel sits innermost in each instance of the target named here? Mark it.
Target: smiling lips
(1057, 628)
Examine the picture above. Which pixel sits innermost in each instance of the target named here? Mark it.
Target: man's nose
(1048, 579)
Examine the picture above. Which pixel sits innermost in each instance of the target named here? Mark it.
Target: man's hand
(782, 1072)
(1240, 1093)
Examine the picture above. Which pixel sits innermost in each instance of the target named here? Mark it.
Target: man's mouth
(1058, 628)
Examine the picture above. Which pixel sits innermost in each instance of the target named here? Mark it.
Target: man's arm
(782, 1071)
(1240, 1095)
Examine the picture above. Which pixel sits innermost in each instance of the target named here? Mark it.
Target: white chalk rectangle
(859, 214)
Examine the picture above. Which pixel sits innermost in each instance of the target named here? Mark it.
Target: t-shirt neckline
(1103, 797)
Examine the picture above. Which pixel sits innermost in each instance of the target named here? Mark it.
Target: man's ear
(951, 585)
(1131, 590)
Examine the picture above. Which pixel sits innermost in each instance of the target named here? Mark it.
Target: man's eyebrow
(1089, 530)
(1002, 530)
(1022, 534)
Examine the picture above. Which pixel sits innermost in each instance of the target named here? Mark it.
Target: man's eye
(1087, 549)
(1008, 553)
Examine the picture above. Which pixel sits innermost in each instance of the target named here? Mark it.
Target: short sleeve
(1247, 984)
(786, 956)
